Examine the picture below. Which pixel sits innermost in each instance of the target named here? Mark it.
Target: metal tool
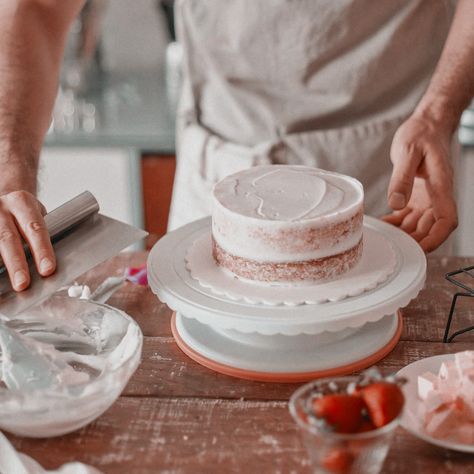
(64, 218)
(82, 238)
(468, 288)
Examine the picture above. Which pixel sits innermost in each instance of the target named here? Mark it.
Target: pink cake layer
(303, 239)
(316, 270)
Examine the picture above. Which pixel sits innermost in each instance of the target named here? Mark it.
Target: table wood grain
(178, 417)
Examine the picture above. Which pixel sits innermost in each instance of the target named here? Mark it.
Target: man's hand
(32, 39)
(21, 216)
(421, 187)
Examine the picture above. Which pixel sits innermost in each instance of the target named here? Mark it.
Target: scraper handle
(70, 214)
(65, 217)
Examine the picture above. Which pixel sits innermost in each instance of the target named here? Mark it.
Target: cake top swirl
(288, 193)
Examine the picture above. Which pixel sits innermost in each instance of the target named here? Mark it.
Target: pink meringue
(447, 399)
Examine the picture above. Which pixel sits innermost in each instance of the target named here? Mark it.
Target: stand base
(247, 359)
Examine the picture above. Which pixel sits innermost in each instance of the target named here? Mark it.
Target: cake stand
(284, 343)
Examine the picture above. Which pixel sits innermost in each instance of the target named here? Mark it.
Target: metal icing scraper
(82, 238)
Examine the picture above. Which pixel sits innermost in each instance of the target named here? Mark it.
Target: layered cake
(282, 223)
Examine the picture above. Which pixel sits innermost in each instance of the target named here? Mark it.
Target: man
(288, 81)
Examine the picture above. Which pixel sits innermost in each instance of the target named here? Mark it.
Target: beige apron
(318, 82)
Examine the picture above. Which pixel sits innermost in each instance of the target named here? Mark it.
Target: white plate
(408, 421)
(172, 282)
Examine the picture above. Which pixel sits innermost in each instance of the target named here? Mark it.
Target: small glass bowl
(331, 452)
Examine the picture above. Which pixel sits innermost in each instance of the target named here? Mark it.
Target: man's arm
(32, 38)
(421, 188)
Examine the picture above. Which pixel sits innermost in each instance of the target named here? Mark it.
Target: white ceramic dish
(97, 339)
(410, 420)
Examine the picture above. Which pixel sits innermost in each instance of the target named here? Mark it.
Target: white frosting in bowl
(62, 364)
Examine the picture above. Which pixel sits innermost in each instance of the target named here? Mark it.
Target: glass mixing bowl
(97, 349)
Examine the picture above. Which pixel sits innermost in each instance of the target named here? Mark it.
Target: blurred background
(113, 125)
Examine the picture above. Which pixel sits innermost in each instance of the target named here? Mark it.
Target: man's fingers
(31, 224)
(42, 209)
(425, 224)
(420, 151)
(13, 255)
(411, 221)
(396, 218)
(438, 233)
(406, 159)
(21, 219)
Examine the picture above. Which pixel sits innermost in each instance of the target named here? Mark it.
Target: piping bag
(82, 238)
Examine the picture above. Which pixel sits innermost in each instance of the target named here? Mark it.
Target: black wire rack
(467, 273)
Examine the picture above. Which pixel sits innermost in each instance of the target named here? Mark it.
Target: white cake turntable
(236, 328)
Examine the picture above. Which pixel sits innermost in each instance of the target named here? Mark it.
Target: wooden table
(178, 417)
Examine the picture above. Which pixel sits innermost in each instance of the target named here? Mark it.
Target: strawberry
(342, 412)
(384, 402)
(338, 460)
(366, 425)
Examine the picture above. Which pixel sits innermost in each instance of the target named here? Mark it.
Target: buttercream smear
(289, 202)
(286, 194)
(34, 363)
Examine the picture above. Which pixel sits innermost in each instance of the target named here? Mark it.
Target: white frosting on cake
(287, 193)
(254, 208)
